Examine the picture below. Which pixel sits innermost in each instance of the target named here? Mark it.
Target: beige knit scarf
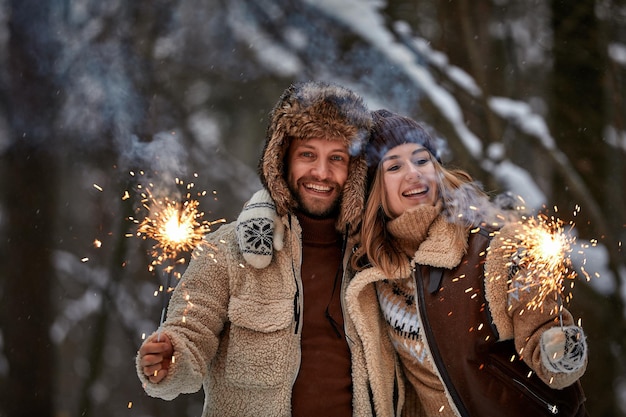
(410, 229)
(425, 236)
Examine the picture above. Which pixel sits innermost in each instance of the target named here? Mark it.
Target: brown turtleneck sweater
(398, 305)
(324, 384)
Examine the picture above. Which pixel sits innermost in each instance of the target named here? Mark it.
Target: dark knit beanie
(390, 130)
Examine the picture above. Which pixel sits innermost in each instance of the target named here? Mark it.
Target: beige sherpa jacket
(233, 326)
(233, 332)
(440, 250)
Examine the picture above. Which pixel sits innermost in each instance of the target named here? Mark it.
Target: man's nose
(321, 169)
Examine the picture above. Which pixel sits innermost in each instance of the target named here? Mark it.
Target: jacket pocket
(517, 386)
(260, 345)
(520, 387)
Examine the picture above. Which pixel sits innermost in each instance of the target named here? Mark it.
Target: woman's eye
(336, 158)
(307, 154)
(421, 161)
(394, 167)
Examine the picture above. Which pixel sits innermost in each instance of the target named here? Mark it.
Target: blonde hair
(457, 192)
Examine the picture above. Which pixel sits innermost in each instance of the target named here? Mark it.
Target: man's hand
(155, 357)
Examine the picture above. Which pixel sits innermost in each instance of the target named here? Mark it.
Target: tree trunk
(29, 183)
(577, 112)
(577, 116)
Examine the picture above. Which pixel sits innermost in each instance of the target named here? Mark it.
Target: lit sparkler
(176, 226)
(542, 247)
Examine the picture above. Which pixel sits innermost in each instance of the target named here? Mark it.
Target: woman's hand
(564, 349)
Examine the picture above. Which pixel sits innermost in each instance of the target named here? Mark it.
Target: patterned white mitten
(259, 230)
(563, 349)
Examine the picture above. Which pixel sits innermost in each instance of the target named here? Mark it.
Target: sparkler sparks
(542, 249)
(176, 226)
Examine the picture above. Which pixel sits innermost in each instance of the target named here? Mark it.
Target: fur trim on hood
(314, 110)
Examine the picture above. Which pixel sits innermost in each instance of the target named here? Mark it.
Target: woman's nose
(413, 171)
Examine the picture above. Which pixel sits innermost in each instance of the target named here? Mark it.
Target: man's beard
(332, 211)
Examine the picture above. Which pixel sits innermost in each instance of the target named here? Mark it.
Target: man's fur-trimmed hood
(316, 110)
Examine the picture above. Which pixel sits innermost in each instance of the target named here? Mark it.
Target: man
(271, 341)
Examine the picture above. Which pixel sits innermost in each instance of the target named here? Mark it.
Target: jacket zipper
(552, 408)
(296, 297)
(296, 310)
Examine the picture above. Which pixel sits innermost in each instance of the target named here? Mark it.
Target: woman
(443, 289)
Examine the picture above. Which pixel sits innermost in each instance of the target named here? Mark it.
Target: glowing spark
(176, 226)
(97, 243)
(97, 187)
(542, 251)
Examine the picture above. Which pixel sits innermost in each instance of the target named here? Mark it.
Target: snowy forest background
(528, 94)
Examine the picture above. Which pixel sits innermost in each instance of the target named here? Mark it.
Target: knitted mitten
(259, 230)
(563, 349)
